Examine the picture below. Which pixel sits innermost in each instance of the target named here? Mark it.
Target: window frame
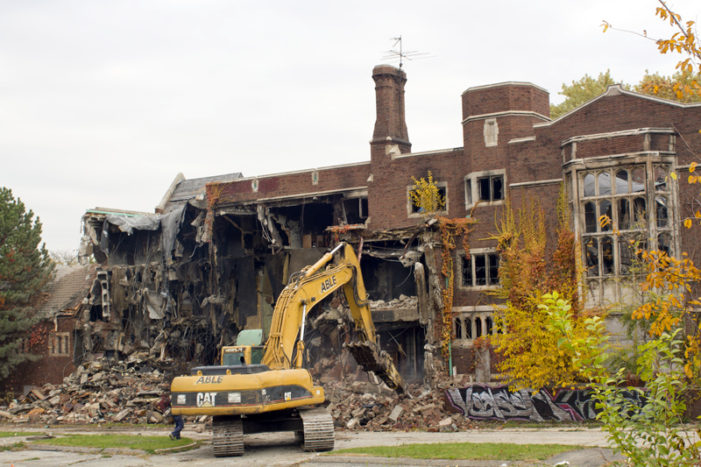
(486, 253)
(471, 186)
(410, 205)
(485, 327)
(60, 344)
(600, 243)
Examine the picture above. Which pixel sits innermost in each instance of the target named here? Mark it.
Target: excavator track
(318, 430)
(227, 436)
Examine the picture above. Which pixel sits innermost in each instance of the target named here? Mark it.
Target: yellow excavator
(278, 394)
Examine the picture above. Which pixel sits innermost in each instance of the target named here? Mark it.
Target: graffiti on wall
(479, 402)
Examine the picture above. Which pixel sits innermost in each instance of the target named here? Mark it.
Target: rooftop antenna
(401, 54)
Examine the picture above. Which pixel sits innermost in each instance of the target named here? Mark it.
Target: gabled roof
(617, 90)
(67, 290)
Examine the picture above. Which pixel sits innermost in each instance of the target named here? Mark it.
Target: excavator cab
(247, 351)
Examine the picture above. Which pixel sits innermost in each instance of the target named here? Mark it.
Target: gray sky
(102, 103)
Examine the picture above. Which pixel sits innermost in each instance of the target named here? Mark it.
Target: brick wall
(290, 184)
(49, 368)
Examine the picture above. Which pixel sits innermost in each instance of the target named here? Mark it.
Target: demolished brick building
(217, 252)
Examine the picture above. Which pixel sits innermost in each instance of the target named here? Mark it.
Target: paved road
(280, 449)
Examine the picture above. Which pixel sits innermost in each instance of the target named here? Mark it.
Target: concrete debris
(354, 409)
(99, 391)
(113, 391)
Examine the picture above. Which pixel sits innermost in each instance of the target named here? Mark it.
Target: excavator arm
(338, 268)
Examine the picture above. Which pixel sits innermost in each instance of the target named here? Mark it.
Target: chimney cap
(388, 70)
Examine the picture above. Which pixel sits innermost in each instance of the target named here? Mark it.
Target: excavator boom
(338, 268)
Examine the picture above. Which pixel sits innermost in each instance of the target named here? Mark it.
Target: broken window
(664, 242)
(355, 210)
(590, 217)
(616, 200)
(480, 269)
(437, 204)
(661, 204)
(485, 187)
(623, 214)
(491, 188)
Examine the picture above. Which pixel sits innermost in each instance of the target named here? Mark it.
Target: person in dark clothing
(179, 424)
(163, 405)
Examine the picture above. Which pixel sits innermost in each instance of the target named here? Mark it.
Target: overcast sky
(102, 103)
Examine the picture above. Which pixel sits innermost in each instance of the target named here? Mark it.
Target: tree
(425, 195)
(681, 86)
(685, 84)
(25, 268)
(678, 87)
(581, 91)
(649, 431)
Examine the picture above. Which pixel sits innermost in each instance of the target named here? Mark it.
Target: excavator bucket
(371, 358)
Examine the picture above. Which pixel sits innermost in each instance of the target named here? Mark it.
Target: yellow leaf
(697, 214)
(673, 175)
(687, 223)
(693, 179)
(692, 167)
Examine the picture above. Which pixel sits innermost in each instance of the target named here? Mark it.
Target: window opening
(627, 204)
(491, 188)
(486, 269)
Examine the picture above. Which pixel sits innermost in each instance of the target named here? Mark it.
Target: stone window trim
(491, 280)
(472, 188)
(442, 188)
(472, 322)
(59, 344)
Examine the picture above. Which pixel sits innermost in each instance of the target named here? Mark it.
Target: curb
(123, 451)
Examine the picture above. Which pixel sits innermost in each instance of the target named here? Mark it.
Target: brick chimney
(390, 136)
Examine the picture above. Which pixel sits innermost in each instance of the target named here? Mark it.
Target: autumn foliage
(538, 288)
(667, 306)
(425, 195)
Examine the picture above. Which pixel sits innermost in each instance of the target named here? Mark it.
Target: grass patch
(12, 434)
(474, 451)
(13, 447)
(147, 444)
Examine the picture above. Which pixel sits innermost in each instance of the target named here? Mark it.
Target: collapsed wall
(174, 287)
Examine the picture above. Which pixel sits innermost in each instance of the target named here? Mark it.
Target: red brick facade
(511, 149)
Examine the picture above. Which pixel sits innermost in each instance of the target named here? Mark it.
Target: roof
(617, 90)
(67, 290)
(187, 189)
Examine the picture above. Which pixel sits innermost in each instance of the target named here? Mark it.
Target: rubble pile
(98, 391)
(361, 406)
(126, 391)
